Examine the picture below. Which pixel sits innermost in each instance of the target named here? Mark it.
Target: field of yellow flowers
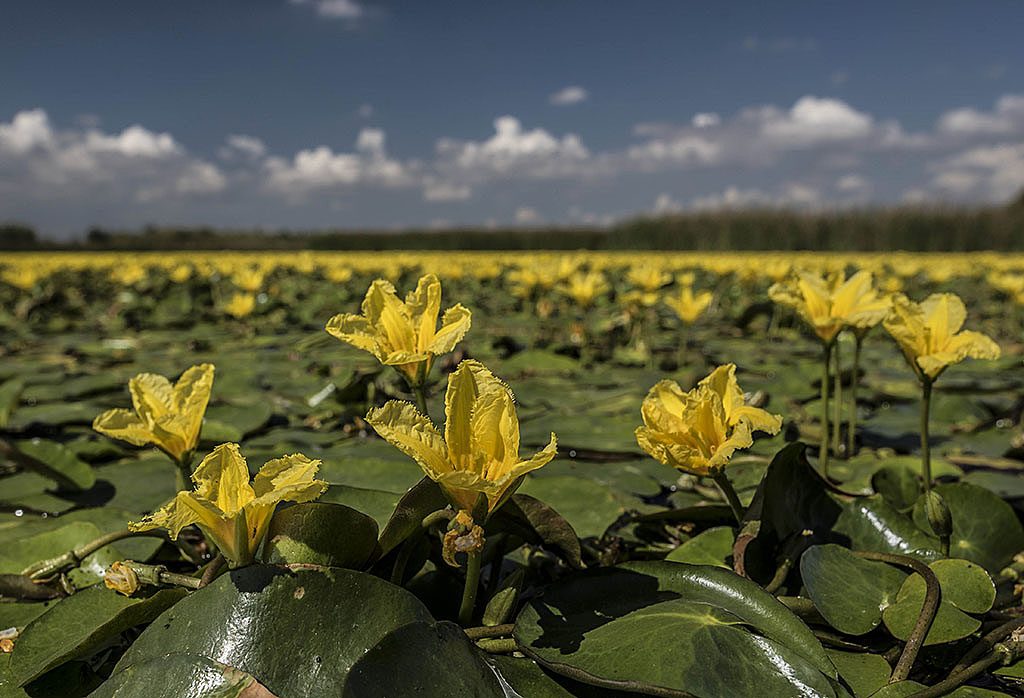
(492, 474)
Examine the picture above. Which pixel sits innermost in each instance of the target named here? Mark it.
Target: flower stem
(469, 591)
(926, 451)
(490, 631)
(837, 425)
(851, 428)
(156, 575)
(51, 566)
(823, 447)
(1003, 653)
(722, 480)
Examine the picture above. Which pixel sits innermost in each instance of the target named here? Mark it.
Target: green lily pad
(281, 625)
(985, 528)
(710, 547)
(966, 588)
(864, 673)
(80, 624)
(588, 506)
(181, 676)
(873, 524)
(646, 627)
(850, 593)
(321, 533)
(56, 462)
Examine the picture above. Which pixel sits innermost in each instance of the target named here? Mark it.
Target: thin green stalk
(823, 447)
(1002, 654)
(469, 591)
(851, 428)
(51, 566)
(722, 480)
(503, 646)
(926, 450)
(490, 631)
(837, 425)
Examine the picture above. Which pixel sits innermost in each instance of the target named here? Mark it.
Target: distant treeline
(922, 229)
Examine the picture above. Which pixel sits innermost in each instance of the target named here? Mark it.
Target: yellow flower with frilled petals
(23, 278)
(167, 416)
(240, 305)
(648, 277)
(698, 431)
(689, 305)
(403, 335)
(830, 304)
(585, 287)
(231, 512)
(479, 452)
(929, 333)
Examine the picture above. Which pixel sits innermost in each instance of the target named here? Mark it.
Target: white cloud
(1006, 118)
(813, 120)
(248, 146)
(665, 204)
(792, 195)
(852, 184)
(706, 120)
(567, 96)
(514, 152)
(992, 173)
(322, 168)
(440, 191)
(88, 165)
(528, 216)
(335, 9)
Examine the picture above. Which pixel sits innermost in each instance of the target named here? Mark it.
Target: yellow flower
(169, 417)
(698, 431)
(181, 273)
(648, 277)
(929, 333)
(584, 288)
(829, 304)
(403, 335)
(687, 305)
(23, 278)
(240, 305)
(232, 513)
(248, 279)
(479, 453)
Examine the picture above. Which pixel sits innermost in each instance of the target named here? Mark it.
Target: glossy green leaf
(320, 533)
(181, 676)
(710, 547)
(864, 673)
(56, 462)
(80, 624)
(850, 593)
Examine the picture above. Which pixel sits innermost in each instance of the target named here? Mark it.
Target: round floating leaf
(56, 462)
(80, 624)
(710, 547)
(420, 659)
(966, 588)
(985, 528)
(849, 592)
(321, 533)
(872, 524)
(282, 625)
(864, 673)
(647, 626)
(181, 676)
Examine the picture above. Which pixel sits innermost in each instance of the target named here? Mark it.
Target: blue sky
(353, 113)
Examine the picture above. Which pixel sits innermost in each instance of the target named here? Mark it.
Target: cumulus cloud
(440, 191)
(1007, 117)
(42, 162)
(513, 152)
(990, 173)
(321, 168)
(335, 9)
(242, 145)
(791, 195)
(567, 96)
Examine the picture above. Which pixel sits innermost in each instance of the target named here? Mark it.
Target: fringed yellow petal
(222, 478)
(401, 425)
(152, 395)
(454, 326)
(423, 306)
(124, 425)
